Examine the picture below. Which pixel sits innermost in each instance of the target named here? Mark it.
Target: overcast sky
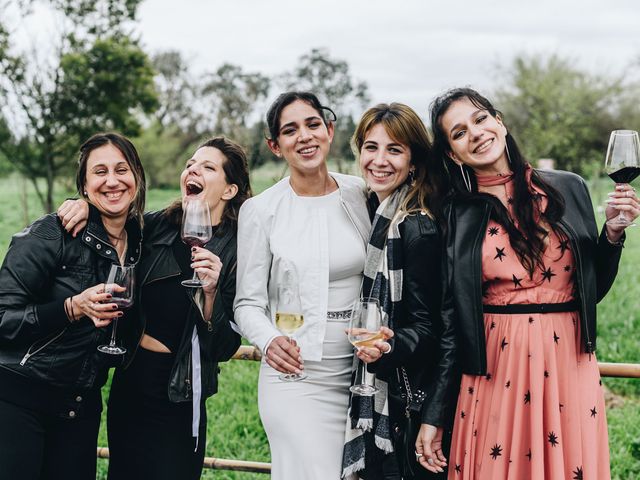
(406, 50)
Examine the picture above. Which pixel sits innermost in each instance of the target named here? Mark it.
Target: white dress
(305, 420)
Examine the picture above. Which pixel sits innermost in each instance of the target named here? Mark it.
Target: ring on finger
(430, 461)
(418, 456)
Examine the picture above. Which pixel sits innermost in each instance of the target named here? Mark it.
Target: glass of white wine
(364, 330)
(289, 317)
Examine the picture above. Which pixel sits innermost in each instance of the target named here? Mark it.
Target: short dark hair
(287, 98)
(130, 154)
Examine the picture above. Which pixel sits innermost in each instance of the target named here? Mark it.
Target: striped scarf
(368, 435)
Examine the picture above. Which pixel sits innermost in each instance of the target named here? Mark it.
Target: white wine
(288, 323)
(366, 339)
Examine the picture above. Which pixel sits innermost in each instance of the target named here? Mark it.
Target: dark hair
(129, 153)
(236, 171)
(404, 125)
(286, 99)
(528, 238)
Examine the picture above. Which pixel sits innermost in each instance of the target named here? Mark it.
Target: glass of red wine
(622, 164)
(124, 276)
(196, 232)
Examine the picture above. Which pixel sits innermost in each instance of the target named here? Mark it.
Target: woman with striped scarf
(403, 271)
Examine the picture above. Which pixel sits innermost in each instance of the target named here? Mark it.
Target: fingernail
(108, 295)
(120, 314)
(193, 249)
(192, 258)
(115, 307)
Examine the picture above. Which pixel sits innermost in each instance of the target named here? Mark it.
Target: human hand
(283, 354)
(622, 199)
(208, 267)
(373, 353)
(74, 215)
(94, 303)
(429, 452)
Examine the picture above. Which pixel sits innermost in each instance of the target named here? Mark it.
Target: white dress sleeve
(251, 306)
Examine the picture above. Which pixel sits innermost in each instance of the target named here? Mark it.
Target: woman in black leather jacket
(51, 301)
(393, 149)
(156, 418)
(527, 268)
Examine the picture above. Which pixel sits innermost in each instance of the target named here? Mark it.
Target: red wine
(122, 303)
(625, 174)
(194, 241)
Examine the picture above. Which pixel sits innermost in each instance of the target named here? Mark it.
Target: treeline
(96, 76)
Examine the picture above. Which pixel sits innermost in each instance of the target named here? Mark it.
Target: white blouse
(278, 228)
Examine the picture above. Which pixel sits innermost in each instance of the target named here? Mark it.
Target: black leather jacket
(218, 341)
(43, 266)
(424, 340)
(596, 264)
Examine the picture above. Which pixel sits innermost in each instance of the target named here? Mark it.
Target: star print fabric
(538, 413)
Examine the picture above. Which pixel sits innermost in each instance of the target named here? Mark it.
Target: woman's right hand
(283, 355)
(429, 452)
(74, 215)
(93, 303)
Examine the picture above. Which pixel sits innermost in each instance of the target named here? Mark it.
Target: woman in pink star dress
(527, 266)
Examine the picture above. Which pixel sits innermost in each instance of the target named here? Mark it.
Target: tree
(557, 111)
(101, 87)
(330, 79)
(235, 94)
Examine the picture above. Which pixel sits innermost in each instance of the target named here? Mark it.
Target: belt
(342, 314)
(517, 308)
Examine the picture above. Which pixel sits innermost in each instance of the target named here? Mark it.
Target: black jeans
(37, 445)
(149, 436)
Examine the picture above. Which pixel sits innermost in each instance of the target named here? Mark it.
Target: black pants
(149, 436)
(36, 445)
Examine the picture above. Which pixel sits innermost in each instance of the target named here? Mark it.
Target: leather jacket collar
(95, 237)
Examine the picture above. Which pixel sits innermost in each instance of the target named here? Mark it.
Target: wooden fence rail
(627, 370)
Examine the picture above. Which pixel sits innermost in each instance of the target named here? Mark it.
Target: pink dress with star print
(538, 414)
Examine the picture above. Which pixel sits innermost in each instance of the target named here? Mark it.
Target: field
(234, 429)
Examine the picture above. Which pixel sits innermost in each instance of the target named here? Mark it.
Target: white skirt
(305, 420)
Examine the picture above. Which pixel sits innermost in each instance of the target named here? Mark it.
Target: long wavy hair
(236, 171)
(528, 239)
(404, 126)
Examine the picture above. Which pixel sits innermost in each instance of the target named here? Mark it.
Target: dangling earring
(506, 149)
(465, 177)
(85, 193)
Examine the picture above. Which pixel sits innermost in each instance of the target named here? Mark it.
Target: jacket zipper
(583, 317)
(30, 354)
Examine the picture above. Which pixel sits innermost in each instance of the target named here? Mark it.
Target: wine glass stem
(112, 343)
(364, 373)
(195, 277)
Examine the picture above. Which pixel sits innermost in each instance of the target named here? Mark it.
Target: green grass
(234, 428)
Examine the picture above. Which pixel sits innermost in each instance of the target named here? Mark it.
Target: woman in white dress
(309, 230)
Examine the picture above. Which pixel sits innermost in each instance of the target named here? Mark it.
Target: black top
(165, 319)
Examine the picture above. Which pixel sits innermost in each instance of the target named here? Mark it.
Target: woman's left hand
(207, 266)
(622, 199)
(429, 452)
(374, 353)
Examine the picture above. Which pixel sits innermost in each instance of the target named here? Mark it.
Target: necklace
(117, 242)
